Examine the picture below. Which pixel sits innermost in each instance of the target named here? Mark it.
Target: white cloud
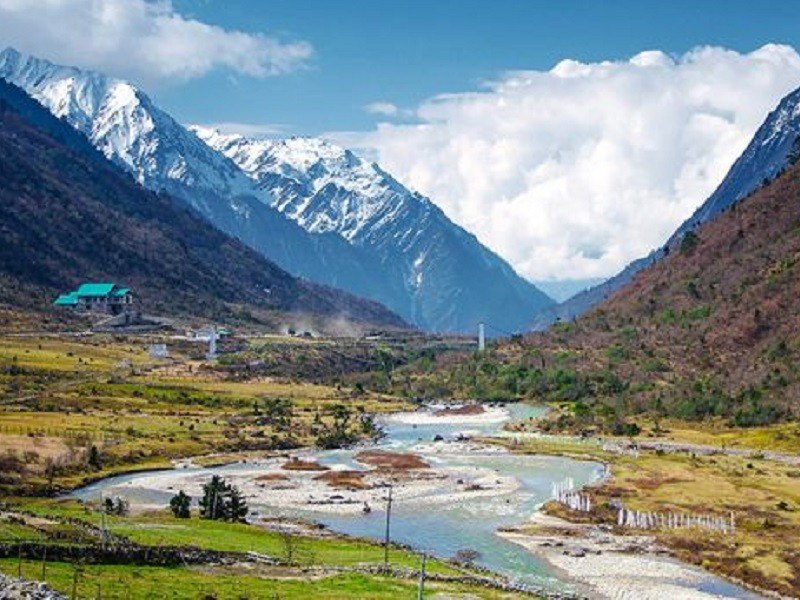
(573, 172)
(141, 40)
(386, 109)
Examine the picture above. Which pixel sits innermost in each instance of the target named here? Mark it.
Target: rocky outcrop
(20, 589)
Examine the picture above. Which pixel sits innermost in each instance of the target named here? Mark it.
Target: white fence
(566, 494)
(650, 520)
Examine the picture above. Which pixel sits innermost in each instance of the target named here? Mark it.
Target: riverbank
(608, 566)
(760, 489)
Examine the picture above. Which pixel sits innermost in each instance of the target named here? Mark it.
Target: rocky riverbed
(609, 566)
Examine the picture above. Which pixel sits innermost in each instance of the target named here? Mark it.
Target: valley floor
(78, 409)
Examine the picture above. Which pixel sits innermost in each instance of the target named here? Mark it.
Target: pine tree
(180, 505)
(236, 507)
(222, 501)
(213, 500)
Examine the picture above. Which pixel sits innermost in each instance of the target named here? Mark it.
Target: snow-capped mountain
(317, 210)
(122, 122)
(766, 156)
(444, 278)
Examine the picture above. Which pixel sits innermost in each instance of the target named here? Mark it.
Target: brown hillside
(67, 215)
(722, 310)
(713, 329)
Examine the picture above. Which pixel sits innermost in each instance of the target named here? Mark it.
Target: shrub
(689, 242)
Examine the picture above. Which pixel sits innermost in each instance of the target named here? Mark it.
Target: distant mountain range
(67, 215)
(317, 210)
(564, 289)
(436, 273)
(768, 154)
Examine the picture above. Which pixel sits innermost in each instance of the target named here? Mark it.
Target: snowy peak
(432, 263)
(67, 92)
(124, 124)
(766, 156)
(782, 122)
(322, 186)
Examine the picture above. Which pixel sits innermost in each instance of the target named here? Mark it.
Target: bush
(116, 506)
(93, 458)
(623, 428)
(689, 242)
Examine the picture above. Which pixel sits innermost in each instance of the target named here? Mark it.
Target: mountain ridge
(433, 283)
(765, 157)
(328, 189)
(78, 217)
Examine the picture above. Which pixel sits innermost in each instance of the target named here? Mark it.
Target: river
(437, 521)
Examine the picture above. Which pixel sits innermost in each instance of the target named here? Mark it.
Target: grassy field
(320, 566)
(782, 437)
(38, 518)
(230, 583)
(67, 398)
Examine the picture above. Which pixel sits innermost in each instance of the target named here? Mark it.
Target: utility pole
(75, 584)
(388, 528)
(105, 531)
(421, 585)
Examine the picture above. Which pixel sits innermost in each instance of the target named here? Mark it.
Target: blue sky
(404, 52)
(570, 137)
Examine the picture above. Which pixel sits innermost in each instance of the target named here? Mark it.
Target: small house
(106, 298)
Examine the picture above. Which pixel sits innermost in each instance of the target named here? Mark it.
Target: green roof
(95, 289)
(66, 300)
(92, 290)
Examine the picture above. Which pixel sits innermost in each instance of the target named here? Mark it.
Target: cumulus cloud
(141, 40)
(575, 171)
(386, 109)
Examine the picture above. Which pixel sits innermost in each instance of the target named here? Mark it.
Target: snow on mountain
(316, 209)
(766, 156)
(299, 169)
(123, 123)
(449, 280)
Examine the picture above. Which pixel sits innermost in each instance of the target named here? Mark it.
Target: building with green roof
(107, 298)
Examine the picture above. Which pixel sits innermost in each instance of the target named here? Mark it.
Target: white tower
(212, 343)
(481, 337)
